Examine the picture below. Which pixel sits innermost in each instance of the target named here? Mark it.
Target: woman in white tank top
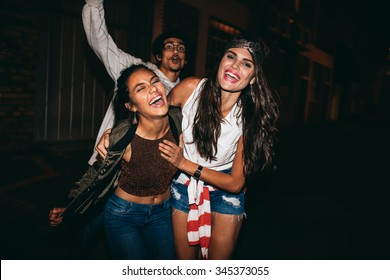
(229, 129)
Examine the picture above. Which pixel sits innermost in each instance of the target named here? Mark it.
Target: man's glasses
(171, 47)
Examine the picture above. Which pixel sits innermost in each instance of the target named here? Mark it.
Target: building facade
(54, 89)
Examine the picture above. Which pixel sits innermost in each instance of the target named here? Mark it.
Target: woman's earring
(135, 121)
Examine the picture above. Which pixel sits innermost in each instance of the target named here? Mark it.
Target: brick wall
(18, 74)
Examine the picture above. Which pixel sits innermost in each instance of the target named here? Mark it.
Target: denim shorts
(220, 201)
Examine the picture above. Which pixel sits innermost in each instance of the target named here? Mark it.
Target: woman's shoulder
(188, 85)
(119, 130)
(182, 91)
(121, 125)
(191, 81)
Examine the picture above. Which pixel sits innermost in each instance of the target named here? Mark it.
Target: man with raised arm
(170, 50)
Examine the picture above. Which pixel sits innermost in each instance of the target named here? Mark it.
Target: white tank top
(231, 130)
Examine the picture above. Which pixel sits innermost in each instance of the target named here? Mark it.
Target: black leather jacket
(100, 180)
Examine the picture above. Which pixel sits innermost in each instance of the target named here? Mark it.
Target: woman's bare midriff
(153, 199)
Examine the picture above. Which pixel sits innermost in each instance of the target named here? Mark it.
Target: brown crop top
(147, 173)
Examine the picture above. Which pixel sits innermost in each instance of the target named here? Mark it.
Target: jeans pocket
(116, 205)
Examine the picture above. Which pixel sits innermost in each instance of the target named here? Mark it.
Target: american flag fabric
(199, 216)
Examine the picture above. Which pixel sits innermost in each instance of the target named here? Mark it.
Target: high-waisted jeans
(139, 231)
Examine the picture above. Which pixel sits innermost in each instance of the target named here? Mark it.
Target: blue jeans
(139, 231)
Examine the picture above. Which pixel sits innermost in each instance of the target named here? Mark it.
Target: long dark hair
(259, 113)
(123, 94)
